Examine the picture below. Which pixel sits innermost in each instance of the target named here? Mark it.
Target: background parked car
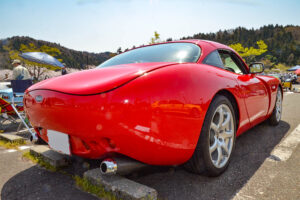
(6, 92)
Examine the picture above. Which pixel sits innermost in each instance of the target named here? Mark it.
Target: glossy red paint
(99, 81)
(150, 112)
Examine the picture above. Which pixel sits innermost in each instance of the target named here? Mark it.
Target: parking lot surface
(21, 179)
(252, 149)
(252, 174)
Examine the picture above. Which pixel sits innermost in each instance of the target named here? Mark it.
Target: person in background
(63, 69)
(20, 72)
(6, 77)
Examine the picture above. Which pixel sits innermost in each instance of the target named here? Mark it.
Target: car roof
(201, 43)
(204, 43)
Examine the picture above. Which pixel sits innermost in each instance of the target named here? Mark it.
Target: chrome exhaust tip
(33, 138)
(121, 166)
(108, 166)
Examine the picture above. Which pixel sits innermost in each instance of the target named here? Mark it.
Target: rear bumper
(83, 118)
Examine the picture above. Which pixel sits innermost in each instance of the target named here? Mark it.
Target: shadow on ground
(37, 183)
(252, 148)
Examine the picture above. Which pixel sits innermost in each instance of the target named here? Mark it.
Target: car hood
(98, 80)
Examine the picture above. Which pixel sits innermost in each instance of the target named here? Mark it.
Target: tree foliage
(281, 67)
(282, 45)
(156, 38)
(283, 42)
(249, 53)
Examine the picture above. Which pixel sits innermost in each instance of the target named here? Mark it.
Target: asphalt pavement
(252, 173)
(21, 179)
(253, 148)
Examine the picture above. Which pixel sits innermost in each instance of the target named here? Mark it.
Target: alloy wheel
(278, 106)
(221, 136)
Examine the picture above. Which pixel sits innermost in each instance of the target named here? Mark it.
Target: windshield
(170, 52)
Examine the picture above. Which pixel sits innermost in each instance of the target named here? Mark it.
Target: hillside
(283, 46)
(73, 59)
(283, 41)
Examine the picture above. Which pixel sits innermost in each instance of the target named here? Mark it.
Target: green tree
(249, 53)
(281, 67)
(119, 51)
(156, 38)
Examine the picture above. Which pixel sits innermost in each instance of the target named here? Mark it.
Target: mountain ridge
(72, 58)
(283, 45)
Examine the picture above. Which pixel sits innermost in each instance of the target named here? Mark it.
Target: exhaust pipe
(121, 166)
(108, 166)
(34, 138)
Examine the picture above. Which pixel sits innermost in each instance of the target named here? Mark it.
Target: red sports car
(163, 104)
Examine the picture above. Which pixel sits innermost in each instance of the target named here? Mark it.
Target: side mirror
(257, 67)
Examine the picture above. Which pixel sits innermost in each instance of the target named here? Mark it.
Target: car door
(253, 89)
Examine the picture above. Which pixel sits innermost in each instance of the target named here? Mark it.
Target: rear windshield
(170, 52)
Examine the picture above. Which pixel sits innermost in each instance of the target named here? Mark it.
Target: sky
(105, 25)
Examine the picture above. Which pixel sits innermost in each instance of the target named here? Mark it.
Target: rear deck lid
(98, 80)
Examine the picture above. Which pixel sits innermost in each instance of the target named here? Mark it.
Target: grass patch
(11, 145)
(82, 183)
(39, 160)
(97, 190)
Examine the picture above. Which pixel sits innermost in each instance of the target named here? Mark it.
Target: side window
(214, 59)
(229, 63)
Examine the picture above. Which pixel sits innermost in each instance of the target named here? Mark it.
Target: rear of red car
(80, 105)
(124, 119)
(118, 108)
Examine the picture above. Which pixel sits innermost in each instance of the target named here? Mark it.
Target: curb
(52, 157)
(121, 187)
(11, 138)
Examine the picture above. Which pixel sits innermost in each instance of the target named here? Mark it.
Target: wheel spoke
(214, 127)
(225, 147)
(226, 134)
(221, 117)
(213, 147)
(226, 123)
(220, 156)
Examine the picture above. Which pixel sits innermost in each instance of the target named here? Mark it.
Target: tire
(213, 138)
(275, 117)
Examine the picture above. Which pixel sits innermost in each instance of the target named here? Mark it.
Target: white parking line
(21, 148)
(286, 147)
(281, 152)
(288, 93)
(10, 150)
(24, 147)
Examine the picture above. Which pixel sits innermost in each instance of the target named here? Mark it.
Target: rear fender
(181, 95)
